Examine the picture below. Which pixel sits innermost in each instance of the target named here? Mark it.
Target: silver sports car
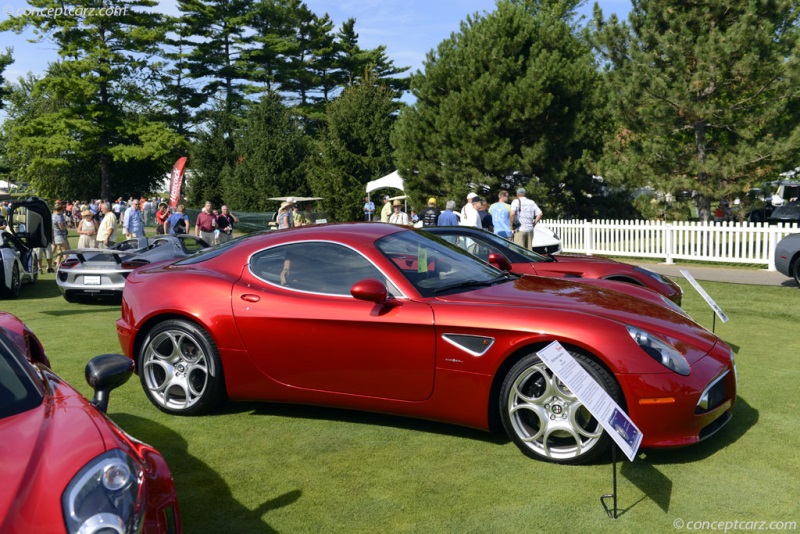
(787, 256)
(91, 273)
(28, 228)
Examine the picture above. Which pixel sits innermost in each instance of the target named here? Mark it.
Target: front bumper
(674, 411)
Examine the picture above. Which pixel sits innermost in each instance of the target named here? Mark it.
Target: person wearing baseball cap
(430, 214)
(469, 213)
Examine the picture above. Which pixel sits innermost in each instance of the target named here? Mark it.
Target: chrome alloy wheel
(548, 418)
(175, 369)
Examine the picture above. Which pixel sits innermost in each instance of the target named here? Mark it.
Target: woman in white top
(87, 230)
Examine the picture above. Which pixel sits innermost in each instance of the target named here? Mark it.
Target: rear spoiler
(80, 253)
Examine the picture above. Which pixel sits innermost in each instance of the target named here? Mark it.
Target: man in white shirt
(469, 213)
(528, 214)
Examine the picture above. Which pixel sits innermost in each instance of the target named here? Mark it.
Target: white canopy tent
(390, 181)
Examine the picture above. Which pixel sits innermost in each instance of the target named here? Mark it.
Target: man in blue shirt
(369, 209)
(448, 217)
(133, 223)
(501, 216)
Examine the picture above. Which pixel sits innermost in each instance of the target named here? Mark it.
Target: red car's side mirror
(500, 261)
(370, 290)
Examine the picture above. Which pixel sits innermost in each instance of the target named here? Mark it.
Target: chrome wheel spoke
(548, 418)
(175, 369)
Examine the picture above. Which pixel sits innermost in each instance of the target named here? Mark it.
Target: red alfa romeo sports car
(399, 321)
(481, 244)
(65, 466)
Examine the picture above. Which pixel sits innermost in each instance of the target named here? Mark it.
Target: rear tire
(180, 369)
(545, 419)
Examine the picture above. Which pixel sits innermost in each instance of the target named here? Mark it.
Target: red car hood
(40, 451)
(538, 292)
(577, 258)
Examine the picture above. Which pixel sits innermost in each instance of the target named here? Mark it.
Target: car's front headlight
(660, 351)
(103, 496)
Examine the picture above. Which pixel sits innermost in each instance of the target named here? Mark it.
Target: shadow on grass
(658, 487)
(205, 500)
(45, 288)
(744, 418)
(362, 418)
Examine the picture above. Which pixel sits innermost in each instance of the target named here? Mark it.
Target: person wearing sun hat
(430, 214)
(285, 218)
(398, 215)
(87, 230)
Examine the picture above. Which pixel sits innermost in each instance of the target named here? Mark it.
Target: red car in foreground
(65, 466)
(387, 319)
(482, 244)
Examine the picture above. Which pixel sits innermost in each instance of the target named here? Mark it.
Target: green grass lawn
(266, 467)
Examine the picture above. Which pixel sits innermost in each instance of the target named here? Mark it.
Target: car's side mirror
(105, 373)
(500, 261)
(371, 290)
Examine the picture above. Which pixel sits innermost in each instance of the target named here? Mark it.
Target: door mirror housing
(371, 290)
(500, 261)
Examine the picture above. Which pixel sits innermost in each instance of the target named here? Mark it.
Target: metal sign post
(623, 432)
(714, 306)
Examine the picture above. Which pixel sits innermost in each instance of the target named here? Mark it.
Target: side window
(314, 267)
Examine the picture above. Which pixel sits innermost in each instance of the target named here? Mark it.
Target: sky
(408, 28)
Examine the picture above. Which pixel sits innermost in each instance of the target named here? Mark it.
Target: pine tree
(103, 75)
(5, 61)
(354, 147)
(514, 91)
(704, 95)
(270, 153)
(216, 47)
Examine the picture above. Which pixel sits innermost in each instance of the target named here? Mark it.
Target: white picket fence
(723, 242)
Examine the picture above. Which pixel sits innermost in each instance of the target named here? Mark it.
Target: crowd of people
(514, 220)
(102, 224)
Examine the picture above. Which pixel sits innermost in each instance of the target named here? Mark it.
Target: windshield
(481, 244)
(434, 266)
(18, 393)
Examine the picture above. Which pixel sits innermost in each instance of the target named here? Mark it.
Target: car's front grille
(712, 396)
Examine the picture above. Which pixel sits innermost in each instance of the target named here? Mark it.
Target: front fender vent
(474, 345)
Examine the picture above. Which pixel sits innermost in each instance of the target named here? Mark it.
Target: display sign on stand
(625, 434)
(717, 310)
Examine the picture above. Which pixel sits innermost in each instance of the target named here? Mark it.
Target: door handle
(249, 297)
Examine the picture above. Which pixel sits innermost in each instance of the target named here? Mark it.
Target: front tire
(14, 289)
(546, 420)
(180, 369)
(796, 270)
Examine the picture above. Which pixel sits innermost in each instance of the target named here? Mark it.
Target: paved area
(754, 276)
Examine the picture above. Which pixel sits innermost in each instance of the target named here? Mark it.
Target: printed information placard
(599, 403)
(706, 296)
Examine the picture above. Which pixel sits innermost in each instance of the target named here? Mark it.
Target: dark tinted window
(316, 267)
(18, 392)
